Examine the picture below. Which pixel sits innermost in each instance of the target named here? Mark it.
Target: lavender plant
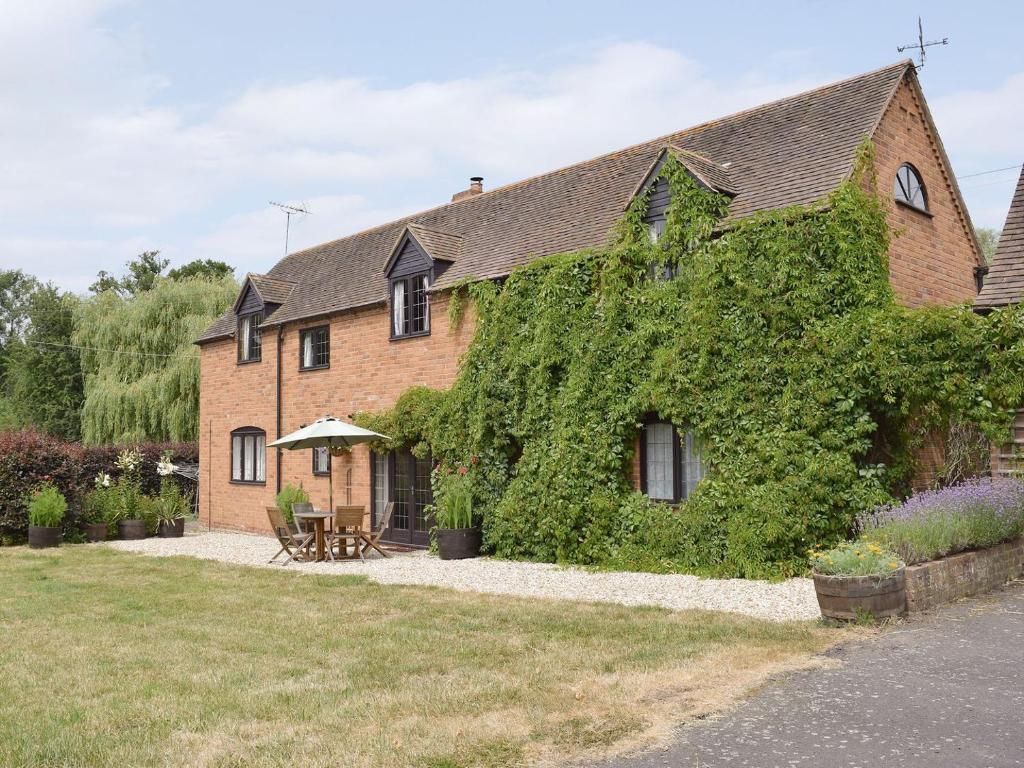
(978, 513)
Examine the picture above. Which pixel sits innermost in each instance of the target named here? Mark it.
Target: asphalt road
(945, 689)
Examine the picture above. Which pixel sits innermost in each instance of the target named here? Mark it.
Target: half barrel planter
(458, 543)
(848, 597)
(131, 530)
(43, 536)
(94, 532)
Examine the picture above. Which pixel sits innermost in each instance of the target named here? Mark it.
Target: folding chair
(373, 538)
(295, 543)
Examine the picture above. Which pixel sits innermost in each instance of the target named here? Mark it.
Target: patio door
(404, 479)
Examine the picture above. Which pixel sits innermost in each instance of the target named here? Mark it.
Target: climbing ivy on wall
(779, 342)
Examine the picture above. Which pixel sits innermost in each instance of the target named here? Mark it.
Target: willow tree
(141, 366)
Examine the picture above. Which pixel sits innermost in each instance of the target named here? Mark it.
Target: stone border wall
(968, 573)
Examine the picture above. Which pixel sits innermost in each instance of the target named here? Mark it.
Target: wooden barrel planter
(458, 543)
(94, 531)
(850, 597)
(171, 530)
(129, 530)
(42, 536)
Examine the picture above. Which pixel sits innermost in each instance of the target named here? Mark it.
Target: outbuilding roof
(1004, 283)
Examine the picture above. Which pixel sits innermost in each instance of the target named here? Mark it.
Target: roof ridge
(663, 139)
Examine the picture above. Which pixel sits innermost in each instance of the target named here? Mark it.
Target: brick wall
(958, 576)
(367, 372)
(932, 257)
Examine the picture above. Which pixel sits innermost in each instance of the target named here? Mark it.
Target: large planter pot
(129, 530)
(41, 536)
(173, 530)
(458, 543)
(850, 597)
(95, 531)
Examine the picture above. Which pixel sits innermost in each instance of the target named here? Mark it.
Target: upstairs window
(410, 306)
(249, 344)
(321, 461)
(671, 462)
(314, 348)
(248, 455)
(909, 189)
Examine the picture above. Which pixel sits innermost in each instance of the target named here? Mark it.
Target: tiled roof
(1004, 283)
(437, 244)
(789, 152)
(709, 173)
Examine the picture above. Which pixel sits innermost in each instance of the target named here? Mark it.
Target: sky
(171, 125)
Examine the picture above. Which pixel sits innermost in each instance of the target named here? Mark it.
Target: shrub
(99, 505)
(29, 459)
(171, 504)
(454, 496)
(859, 558)
(289, 495)
(47, 507)
(975, 514)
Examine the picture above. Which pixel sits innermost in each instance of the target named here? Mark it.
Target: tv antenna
(921, 45)
(289, 211)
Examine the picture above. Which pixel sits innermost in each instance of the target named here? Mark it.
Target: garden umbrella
(327, 432)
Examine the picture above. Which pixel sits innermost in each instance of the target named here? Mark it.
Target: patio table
(318, 518)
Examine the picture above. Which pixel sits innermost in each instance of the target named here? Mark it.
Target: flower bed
(976, 514)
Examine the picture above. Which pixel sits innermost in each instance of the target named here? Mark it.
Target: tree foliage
(141, 366)
(43, 379)
(779, 342)
(207, 268)
(142, 274)
(988, 239)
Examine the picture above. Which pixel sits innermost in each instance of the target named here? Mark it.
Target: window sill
(250, 360)
(915, 209)
(321, 474)
(314, 368)
(418, 335)
(248, 482)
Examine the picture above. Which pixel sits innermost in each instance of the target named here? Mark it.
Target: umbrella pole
(330, 482)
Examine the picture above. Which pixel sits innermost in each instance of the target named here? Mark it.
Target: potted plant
(857, 580)
(289, 495)
(457, 535)
(170, 507)
(46, 510)
(131, 523)
(97, 509)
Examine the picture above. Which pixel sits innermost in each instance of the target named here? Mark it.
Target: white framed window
(248, 455)
(321, 461)
(909, 188)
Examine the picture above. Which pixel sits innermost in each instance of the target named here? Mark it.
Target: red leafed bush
(28, 459)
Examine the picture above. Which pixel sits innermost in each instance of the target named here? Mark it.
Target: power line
(100, 349)
(994, 170)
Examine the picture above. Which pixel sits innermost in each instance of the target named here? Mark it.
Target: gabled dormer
(705, 172)
(259, 297)
(420, 256)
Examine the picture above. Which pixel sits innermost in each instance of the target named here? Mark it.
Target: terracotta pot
(458, 543)
(129, 530)
(42, 536)
(95, 531)
(850, 597)
(173, 530)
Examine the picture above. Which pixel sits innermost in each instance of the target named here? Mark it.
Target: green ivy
(779, 342)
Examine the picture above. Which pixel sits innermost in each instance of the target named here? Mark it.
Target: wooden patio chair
(294, 543)
(306, 526)
(372, 539)
(348, 526)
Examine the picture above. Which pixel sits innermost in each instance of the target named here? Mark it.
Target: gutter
(280, 339)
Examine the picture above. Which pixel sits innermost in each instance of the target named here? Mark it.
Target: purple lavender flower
(1003, 497)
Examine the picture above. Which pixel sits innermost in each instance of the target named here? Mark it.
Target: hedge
(28, 459)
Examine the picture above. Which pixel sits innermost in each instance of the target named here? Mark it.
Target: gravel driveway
(780, 601)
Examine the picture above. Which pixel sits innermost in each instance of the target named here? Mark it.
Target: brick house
(349, 325)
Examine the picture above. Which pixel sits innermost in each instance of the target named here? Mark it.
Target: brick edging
(962, 575)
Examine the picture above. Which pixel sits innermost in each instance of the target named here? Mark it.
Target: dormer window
(909, 189)
(249, 343)
(410, 306)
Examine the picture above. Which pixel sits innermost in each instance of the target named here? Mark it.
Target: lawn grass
(108, 658)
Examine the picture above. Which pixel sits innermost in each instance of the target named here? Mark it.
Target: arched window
(909, 189)
(248, 455)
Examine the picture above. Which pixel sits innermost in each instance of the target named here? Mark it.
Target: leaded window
(410, 306)
(321, 461)
(248, 455)
(314, 348)
(671, 462)
(249, 342)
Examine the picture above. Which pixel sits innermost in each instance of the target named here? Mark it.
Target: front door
(404, 479)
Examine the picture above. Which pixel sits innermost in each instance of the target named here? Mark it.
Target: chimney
(476, 186)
